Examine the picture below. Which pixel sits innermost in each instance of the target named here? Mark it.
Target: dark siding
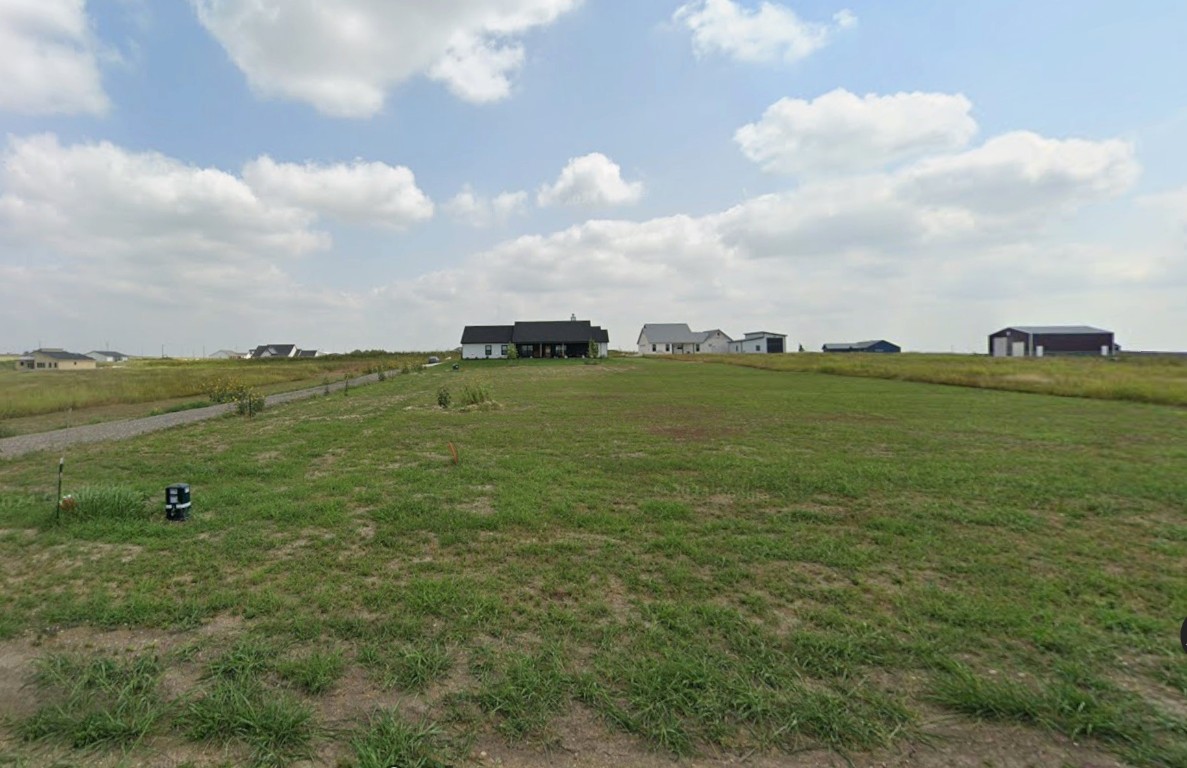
(1073, 343)
(774, 346)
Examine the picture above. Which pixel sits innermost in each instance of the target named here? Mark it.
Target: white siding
(478, 352)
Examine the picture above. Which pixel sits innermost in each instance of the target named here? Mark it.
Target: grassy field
(1142, 379)
(675, 560)
(39, 401)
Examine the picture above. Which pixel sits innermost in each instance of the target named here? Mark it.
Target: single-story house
(54, 359)
(106, 356)
(306, 353)
(548, 338)
(1041, 340)
(678, 339)
(266, 351)
(228, 354)
(760, 343)
(880, 345)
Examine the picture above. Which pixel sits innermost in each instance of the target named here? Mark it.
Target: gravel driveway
(11, 447)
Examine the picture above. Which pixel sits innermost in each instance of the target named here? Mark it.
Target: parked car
(434, 359)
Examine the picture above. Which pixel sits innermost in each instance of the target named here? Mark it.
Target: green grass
(1143, 379)
(389, 740)
(95, 702)
(103, 503)
(707, 559)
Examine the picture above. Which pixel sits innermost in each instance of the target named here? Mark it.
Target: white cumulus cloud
(590, 180)
(479, 211)
(98, 199)
(49, 63)
(770, 33)
(343, 56)
(358, 193)
(840, 131)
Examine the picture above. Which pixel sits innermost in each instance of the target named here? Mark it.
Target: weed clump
(444, 398)
(104, 502)
(96, 702)
(476, 394)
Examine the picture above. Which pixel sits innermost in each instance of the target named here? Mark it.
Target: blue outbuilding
(881, 345)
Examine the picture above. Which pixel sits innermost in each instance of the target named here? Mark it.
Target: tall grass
(1143, 379)
(103, 502)
(143, 381)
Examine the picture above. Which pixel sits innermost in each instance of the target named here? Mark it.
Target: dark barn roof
(1062, 330)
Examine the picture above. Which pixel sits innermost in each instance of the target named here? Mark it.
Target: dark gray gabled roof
(274, 350)
(487, 334)
(601, 335)
(59, 354)
(1063, 330)
(553, 332)
(106, 353)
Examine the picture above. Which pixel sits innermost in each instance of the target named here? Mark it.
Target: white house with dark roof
(535, 338)
(679, 339)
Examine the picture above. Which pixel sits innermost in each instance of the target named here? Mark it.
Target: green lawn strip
(704, 556)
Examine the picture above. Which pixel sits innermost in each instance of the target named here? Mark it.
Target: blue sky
(350, 174)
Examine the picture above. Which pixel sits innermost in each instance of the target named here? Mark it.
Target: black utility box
(177, 502)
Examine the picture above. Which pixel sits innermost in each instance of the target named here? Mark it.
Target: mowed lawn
(706, 561)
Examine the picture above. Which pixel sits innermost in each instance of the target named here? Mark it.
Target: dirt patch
(324, 464)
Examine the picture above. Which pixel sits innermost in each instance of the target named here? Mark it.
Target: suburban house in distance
(267, 351)
(547, 338)
(52, 359)
(678, 339)
(1041, 340)
(228, 354)
(881, 345)
(760, 343)
(106, 356)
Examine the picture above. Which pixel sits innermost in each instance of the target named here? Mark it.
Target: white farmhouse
(678, 339)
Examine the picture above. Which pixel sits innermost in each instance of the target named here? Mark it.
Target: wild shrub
(444, 398)
(249, 402)
(476, 394)
(223, 389)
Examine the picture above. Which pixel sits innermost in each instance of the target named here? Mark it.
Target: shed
(760, 342)
(879, 345)
(1042, 340)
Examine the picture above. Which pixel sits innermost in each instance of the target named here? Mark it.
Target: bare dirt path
(11, 447)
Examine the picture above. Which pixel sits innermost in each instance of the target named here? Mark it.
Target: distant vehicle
(434, 359)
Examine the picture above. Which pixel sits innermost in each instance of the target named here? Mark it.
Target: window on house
(667, 347)
(698, 347)
(503, 350)
(652, 347)
(488, 350)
